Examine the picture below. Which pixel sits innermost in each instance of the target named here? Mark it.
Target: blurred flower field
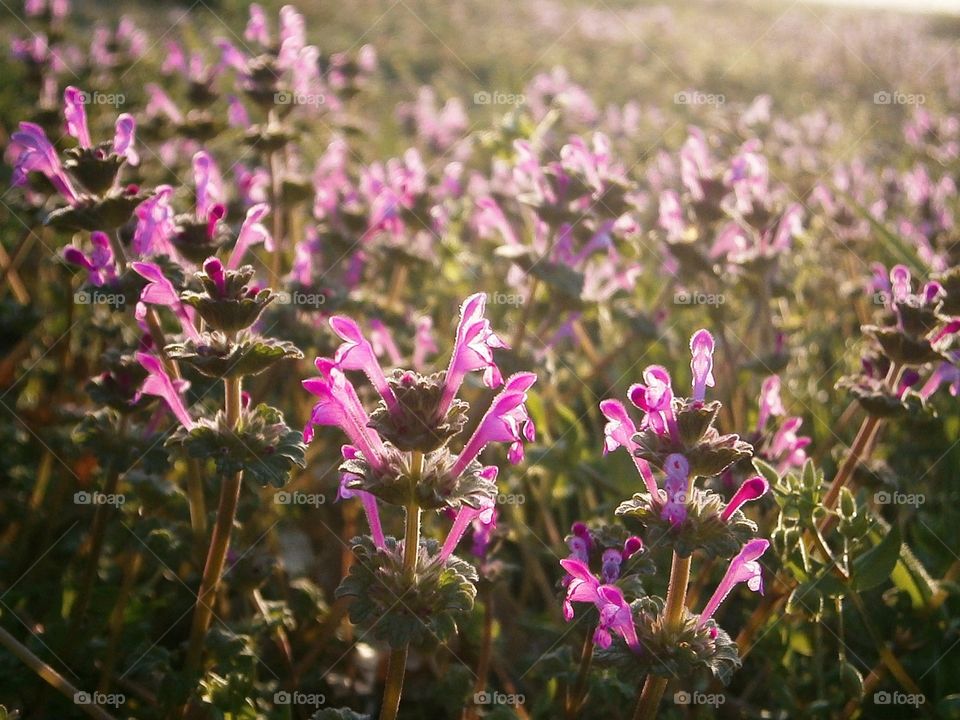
(543, 359)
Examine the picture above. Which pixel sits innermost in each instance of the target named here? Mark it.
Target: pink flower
(100, 264)
(770, 403)
(615, 614)
(465, 516)
(656, 399)
(159, 384)
(506, 420)
(210, 192)
(340, 407)
(123, 138)
(751, 489)
(367, 500)
(155, 223)
(677, 470)
(619, 432)
(701, 363)
(74, 110)
(36, 153)
(257, 29)
(252, 231)
(356, 353)
(473, 350)
(160, 291)
(743, 568)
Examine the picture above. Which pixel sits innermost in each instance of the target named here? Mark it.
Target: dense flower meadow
(340, 379)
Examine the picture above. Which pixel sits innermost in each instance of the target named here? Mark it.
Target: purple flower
(465, 516)
(675, 484)
(123, 138)
(356, 353)
(506, 420)
(483, 526)
(743, 568)
(257, 29)
(656, 399)
(252, 231)
(76, 115)
(367, 500)
(159, 384)
(619, 432)
(788, 446)
(340, 407)
(473, 350)
(580, 542)
(751, 489)
(160, 291)
(155, 224)
(615, 614)
(100, 263)
(36, 153)
(701, 363)
(770, 403)
(206, 177)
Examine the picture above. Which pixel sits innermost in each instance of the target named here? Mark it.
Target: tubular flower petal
(752, 489)
(743, 568)
(473, 350)
(159, 384)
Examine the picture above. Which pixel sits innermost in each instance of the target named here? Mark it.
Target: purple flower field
(541, 359)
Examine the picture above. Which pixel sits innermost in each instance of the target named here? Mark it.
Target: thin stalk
(130, 571)
(411, 544)
(654, 686)
(276, 214)
(486, 650)
(576, 696)
(49, 675)
(98, 533)
(219, 541)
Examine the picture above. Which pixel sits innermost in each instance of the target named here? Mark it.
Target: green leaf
(876, 565)
(767, 470)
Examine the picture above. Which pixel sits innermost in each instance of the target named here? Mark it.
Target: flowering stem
(50, 675)
(576, 696)
(97, 533)
(858, 452)
(486, 650)
(276, 192)
(654, 686)
(411, 546)
(219, 540)
(650, 696)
